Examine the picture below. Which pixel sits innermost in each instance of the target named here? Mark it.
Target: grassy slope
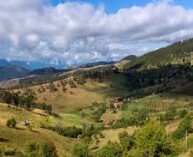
(163, 102)
(17, 138)
(111, 135)
(83, 95)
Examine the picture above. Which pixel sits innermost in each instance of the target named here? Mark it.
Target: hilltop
(175, 54)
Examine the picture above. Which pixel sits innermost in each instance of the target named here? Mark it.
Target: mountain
(130, 57)
(4, 62)
(30, 65)
(10, 72)
(46, 71)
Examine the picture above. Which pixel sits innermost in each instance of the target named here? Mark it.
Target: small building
(117, 104)
(25, 123)
(106, 124)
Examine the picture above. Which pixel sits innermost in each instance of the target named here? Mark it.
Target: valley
(118, 109)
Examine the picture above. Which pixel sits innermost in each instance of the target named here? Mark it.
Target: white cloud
(75, 33)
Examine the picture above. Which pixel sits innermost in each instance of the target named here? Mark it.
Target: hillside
(177, 53)
(9, 72)
(120, 64)
(89, 65)
(69, 95)
(18, 139)
(46, 71)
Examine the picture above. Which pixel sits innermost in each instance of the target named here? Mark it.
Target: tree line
(25, 100)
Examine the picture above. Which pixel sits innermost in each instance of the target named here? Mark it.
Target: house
(106, 124)
(25, 123)
(117, 104)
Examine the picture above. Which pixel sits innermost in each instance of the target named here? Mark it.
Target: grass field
(81, 97)
(19, 137)
(111, 135)
(160, 102)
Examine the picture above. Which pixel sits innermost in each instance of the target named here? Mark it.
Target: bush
(72, 84)
(32, 146)
(49, 150)
(184, 126)
(110, 150)
(152, 140)
(72, 132)
(11, 123)
(32, 149)
(81, 150)
(183, 113)
(10, 152)
(126, 141)
(169, 115)
(52, 87)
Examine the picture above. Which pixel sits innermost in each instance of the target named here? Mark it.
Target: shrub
(49, 150)
(11, 123)
(64, 89)
(52, 87)
(10, 152)
(183, 113)
(32, 149)
(184, 126)
(110, 150)
(72, 132)
(126, 141)
(169, 115)
(81, 150)
(152, 140)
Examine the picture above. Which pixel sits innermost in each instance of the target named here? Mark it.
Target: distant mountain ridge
(10, 72)
(3, 63)
(18, 69)
(46, 71)
(30, 65)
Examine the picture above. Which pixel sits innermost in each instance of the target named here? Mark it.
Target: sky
(74, 32)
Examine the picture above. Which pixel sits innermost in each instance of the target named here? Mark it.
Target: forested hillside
(177, 53)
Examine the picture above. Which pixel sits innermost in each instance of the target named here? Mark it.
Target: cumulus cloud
(77, 32)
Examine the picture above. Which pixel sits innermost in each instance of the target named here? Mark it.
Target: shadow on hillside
(3, 139)
(18, 128)
(158, 80)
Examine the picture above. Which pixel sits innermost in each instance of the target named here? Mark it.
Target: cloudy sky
(77, 32)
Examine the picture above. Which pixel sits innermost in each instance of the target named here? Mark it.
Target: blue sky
(112, 6)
